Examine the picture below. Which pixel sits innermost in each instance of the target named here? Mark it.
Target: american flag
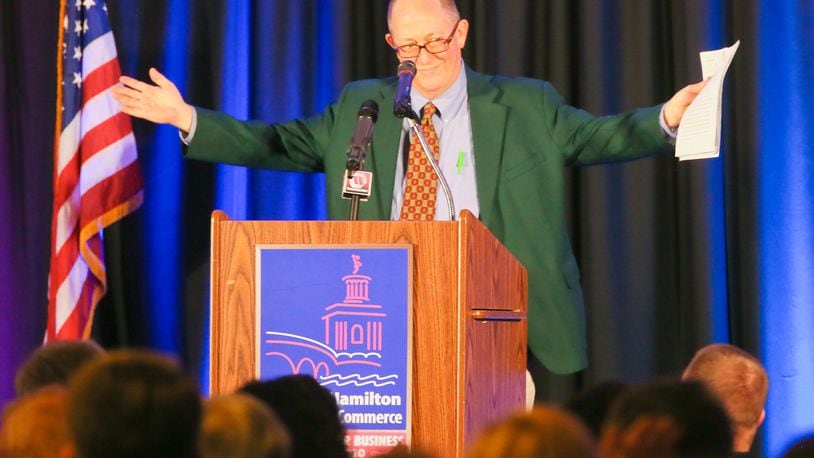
(97, 179)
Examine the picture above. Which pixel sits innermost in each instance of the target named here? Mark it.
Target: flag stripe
(105, 195)
(69, 291)
(96, 111)
(107, 162)
(100, 79)
(98, 138)
(68, 144)
(67, 216)
(73, 325)
(98, 52)
(62, 264)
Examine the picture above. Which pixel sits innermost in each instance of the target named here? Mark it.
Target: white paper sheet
(699, 134)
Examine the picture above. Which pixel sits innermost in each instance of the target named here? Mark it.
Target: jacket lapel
(488, 118)
(382, 157)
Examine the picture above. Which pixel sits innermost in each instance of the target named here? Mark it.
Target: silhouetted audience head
(309, 412)
(133, 404)
(667, 418)
(35, 425)
(241, 426)
(802, 448)
(54, 362)
(592, 404)
(739, 381)
(541, 433)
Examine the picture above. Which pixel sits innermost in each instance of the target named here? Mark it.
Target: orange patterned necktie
(421, 184)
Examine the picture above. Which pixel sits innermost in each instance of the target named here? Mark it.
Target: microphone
(402, 105)
(368, 113)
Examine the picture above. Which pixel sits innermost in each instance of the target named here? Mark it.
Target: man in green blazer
(521, 136)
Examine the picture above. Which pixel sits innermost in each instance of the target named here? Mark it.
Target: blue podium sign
(342, 314)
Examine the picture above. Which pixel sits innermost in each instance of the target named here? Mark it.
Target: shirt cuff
(188, 139)
(670, 133)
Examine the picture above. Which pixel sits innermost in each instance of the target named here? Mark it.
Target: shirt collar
(449, 103)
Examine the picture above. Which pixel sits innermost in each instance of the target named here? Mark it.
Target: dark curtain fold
(27, 100)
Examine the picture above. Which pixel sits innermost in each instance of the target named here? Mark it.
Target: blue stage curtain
(785, 84)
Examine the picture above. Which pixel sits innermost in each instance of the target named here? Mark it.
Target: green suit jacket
(523, 135)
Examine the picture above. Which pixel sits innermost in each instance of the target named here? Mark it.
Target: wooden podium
(469, 316)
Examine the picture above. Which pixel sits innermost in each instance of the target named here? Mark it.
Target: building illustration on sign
(352, 340)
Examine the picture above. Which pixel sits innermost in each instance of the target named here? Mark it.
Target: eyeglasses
(434, 46)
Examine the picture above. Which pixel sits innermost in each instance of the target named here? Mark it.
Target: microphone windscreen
(370, 109)
(406, 66)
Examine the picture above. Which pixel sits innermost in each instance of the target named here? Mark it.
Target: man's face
(420, 21)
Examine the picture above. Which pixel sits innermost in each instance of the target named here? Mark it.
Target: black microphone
(402, 105)
(368, 113)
